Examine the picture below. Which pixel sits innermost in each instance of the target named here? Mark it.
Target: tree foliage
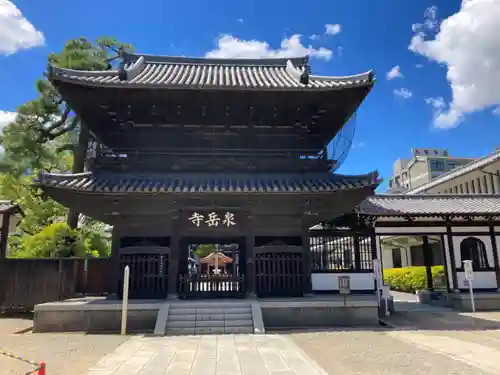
(204, 250)
(47, 135)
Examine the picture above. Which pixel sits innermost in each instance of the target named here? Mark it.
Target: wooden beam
(4, 235)
(496, 260)
(451, 250)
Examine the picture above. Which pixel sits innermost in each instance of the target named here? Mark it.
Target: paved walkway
(202, 355)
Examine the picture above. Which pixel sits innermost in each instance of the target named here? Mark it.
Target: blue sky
(370, 35)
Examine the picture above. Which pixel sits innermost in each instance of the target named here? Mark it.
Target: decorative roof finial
(122, 72)
(304, 77)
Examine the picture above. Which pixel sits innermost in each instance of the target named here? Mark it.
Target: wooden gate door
(196, 277)
(148, 271)
(279, 270)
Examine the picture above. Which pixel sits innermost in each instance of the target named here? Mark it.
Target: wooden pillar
(427, 250)
(116, 275)
(357, 253)
(373, 245)
(453, 262)
(307, 261)
(176, 250)
(494, 247)
(250, 258)
(4, 235)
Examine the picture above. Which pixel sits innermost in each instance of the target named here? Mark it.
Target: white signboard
(469, 272)
(213, 219)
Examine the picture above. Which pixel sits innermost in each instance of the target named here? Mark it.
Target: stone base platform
(320, 311)
(104, 315)
(484, 301)
(95, 314)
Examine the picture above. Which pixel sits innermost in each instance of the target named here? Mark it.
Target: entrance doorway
(212, 268)
(415, 262)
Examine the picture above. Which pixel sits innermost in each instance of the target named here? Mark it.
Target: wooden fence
(27, 282)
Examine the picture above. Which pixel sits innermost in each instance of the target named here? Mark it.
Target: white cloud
(315, 37)
(496, 111)
(358, 145)
(395, 72)
(430, 21)
(229, 46)
(340, 51)
(437, 103)
(16, 32)
(6, 118)
(332, 29)
(403, 93)
(240, 20)
(468, 45)
(418, 66)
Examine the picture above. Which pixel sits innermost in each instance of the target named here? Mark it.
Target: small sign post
(469, 277)
(345, 287)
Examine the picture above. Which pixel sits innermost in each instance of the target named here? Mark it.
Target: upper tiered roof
(148, 71)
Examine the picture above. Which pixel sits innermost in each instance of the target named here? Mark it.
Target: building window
(461, 189)
(437, 165)
(451, 165)
(467, 188)
(474, 249)
(417, 256)
(492, 180)
(473, 188)
(455, 189)
(396, 258)
(485, 185)
(478, 180)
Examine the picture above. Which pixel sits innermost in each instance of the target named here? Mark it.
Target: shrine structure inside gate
(232, 152)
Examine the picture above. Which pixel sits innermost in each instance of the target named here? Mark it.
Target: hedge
(411, 279)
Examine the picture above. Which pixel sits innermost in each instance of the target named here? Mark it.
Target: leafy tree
(204, 250)
(46, 134)
(55, 240)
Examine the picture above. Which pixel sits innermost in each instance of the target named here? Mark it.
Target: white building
(481, 176)
(424, 165)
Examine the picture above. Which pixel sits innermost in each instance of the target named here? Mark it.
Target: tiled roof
(472, 166)
(182, 72)
(429, 205)
(8, 206)
(196, 183)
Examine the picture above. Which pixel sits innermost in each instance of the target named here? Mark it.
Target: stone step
(196, 317)
(210, 311)
(209, 323)
(208, 305)
(208, 330)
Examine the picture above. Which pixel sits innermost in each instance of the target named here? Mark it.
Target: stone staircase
(207, 317)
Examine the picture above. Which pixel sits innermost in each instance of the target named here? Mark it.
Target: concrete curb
(161, 320)
(258, 322)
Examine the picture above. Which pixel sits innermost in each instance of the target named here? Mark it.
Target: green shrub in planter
(410, 279)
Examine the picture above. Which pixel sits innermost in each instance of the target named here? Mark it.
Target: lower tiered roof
(391, 205)
(109, 182)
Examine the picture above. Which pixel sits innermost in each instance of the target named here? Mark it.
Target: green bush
(55, 240)
(411, 279)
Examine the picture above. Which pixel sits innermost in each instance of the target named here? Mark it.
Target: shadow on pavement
(447, 320)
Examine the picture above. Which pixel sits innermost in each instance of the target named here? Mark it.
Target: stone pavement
(213, 354)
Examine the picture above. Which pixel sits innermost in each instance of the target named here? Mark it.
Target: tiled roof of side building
(184, 72)
(8, 206)
(430, 205)
(204, 182)
(472, 166)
